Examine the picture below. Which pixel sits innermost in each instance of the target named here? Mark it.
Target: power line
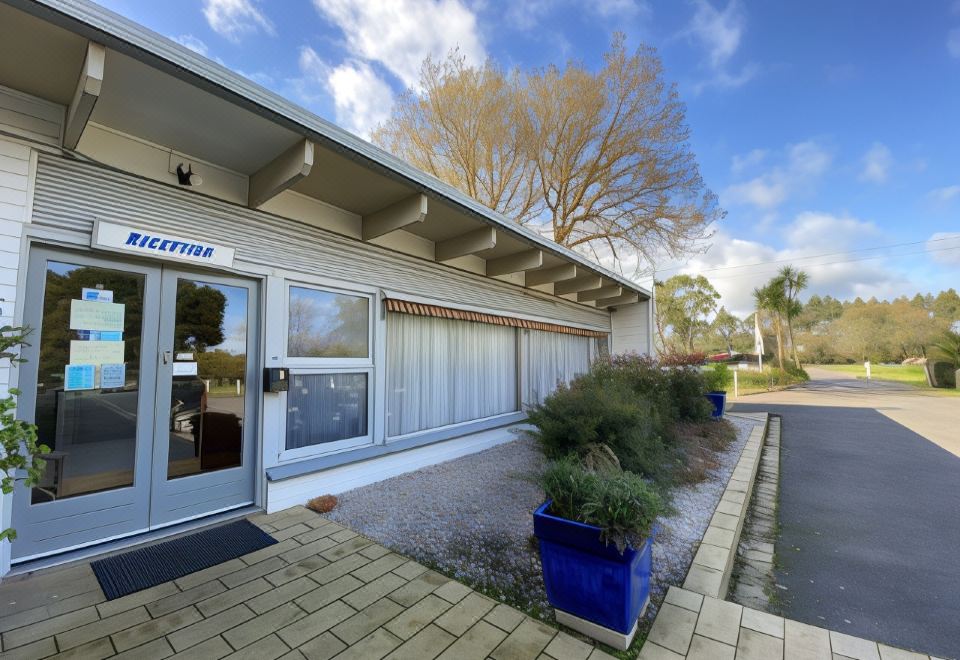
(813, 256)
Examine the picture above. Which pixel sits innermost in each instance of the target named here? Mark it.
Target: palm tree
(792, 281)
(948, 347)
(769, 299)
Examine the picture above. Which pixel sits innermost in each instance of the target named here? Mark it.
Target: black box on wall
(276, 379)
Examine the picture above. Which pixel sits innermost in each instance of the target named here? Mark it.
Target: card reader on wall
(276, 379)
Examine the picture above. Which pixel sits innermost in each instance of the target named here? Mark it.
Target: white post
(238, 387)
(207, 384)
(867, 365)
(736, 383)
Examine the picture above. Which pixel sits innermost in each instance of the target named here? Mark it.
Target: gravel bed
(470, 518)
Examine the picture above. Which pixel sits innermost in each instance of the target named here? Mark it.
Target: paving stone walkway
(690, 626)
(321, 592)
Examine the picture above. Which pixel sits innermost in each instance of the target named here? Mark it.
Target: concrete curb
(712, 566)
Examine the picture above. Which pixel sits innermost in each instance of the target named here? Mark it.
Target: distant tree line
(821, 330)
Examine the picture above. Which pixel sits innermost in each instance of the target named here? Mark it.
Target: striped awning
(436, 311)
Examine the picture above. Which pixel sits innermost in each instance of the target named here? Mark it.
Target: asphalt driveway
(869, 514)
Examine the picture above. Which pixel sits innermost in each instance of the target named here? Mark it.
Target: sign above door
(138, 240)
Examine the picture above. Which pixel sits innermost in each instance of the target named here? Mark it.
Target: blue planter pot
(719, 401)
(588, 578)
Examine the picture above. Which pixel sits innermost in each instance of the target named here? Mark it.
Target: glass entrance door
(204, 440)
(137, 378)
(88, 384)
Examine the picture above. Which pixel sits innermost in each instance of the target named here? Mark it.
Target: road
(869, 510)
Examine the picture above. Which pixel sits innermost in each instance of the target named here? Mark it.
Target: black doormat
(147, 567)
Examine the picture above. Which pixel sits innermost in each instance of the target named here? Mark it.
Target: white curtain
(442, 371)
(551, 357)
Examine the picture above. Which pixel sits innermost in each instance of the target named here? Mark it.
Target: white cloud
(193, 43)
(234, 19)
(764, 192)
(399, 35)
(953, 42)
(945, 248)
(803, 164)
(944, 195)
(362, 99)
(739, 163)
(618, 8)
(719, 33)
(876, 163)
(731, 264)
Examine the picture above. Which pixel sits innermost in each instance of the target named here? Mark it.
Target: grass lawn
(911, 374)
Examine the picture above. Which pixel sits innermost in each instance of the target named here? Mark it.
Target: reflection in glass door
(205, 462)
(209, 374)
(88, 385)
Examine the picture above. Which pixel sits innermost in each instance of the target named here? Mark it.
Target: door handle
(166, 357)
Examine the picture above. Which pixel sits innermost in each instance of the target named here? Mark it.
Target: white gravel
(471, 518)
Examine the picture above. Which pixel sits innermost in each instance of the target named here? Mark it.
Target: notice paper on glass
(184, 368)
(79, 377)
(112, 376)
(96, 352)
(91, 315)
(97, 295)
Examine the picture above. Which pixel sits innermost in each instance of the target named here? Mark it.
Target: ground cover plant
(646, 413)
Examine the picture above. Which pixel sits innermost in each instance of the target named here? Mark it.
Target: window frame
(335, 446)
(294, 362)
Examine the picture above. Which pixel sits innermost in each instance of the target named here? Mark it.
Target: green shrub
(595, 410)
(687, 386)
(944, 374)
(771, 378)
(622, 504)
(676, 393)
(718, 377)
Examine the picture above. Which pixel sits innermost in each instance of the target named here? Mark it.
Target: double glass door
(136, 378)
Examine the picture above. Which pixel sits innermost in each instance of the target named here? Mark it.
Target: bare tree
(467, 126)
(599, 160)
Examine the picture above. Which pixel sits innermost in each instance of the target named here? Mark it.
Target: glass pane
(325, 408)
(327, 325)
(442, 372)
(88, 379)
(209, 370)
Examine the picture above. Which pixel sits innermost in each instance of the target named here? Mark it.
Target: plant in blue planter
(718, 380)
(596, 534)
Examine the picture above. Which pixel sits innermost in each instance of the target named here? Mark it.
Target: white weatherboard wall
(290, 492)
(630, 329)
(15, 173)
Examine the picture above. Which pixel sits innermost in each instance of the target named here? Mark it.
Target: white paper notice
(92, 315)
(184, 368)
(112, 376)
(96, 352)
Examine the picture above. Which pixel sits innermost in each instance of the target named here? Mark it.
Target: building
(237, 304)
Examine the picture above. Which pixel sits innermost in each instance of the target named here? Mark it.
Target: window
(443, 371)
(329, 352)
(325, 324)
(549, 358)
(324, 408)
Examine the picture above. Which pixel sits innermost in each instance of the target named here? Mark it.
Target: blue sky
(826, 128)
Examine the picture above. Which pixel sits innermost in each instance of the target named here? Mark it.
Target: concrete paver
(322, 592)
